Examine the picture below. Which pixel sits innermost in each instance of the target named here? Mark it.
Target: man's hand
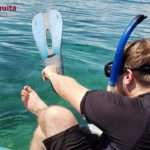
(47, 71)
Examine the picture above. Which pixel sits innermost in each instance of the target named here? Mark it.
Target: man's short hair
(136, 56)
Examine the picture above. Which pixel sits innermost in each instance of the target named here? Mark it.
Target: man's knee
(58, 114)
(56, 119)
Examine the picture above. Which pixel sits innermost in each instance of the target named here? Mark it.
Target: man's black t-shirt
(125, 121)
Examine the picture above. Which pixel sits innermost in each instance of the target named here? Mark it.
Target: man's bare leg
(52, 120)
(37, 139)
(31, 99)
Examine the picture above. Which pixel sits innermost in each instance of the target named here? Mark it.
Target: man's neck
(139, 90)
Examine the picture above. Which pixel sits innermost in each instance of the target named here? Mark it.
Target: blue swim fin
(49, 22)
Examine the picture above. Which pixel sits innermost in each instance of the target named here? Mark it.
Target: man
(123, 116)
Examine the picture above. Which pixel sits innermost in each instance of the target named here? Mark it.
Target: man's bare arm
(66, 87)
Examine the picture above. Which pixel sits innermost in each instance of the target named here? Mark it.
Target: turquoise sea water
(91, 32)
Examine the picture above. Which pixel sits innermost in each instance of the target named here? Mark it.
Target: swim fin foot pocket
(51, 22)
(54, 60)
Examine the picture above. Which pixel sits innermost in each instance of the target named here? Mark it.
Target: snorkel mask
(113, 69)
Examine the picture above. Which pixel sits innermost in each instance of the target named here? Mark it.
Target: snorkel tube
(118, 58)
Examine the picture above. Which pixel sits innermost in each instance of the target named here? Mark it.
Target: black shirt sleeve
(117, 115)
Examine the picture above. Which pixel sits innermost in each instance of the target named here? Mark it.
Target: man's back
(125, 121)
(144, 142)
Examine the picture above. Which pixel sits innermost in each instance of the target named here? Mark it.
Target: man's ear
(128, 77)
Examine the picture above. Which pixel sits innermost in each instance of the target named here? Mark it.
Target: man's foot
(31, 100)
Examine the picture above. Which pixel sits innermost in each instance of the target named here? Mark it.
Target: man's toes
(24, 93)
(28, 88)
(25, 97)
(25, 87)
